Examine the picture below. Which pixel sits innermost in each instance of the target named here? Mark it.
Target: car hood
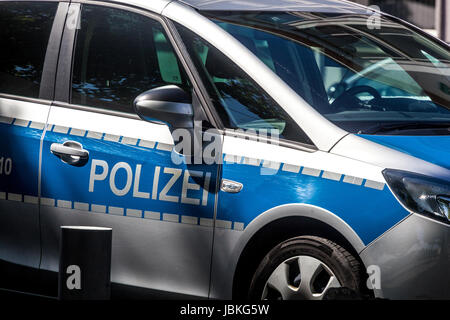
(433, 149)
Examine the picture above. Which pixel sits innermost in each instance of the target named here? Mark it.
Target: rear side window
(118, 56)
(24, 33)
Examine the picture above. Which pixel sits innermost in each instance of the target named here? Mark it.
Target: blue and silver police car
(327, 123)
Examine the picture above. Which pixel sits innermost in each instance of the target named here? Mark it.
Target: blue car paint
(434, 149)
(368, 212)
(21, 144)
(65, 182)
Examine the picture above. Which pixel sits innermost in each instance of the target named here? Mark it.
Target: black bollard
(85, 263)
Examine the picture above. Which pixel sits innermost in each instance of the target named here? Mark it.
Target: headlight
(421, 194)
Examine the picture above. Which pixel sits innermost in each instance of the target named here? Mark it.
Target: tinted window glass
(120, 55)
(24, 32)
(240, 102)
(365, 80)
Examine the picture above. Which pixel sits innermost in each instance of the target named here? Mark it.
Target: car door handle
(70, 152)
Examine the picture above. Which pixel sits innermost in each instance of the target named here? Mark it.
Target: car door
(124, 173)
(26, 28)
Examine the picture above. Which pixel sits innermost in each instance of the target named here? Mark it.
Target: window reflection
(24, 32)
(354, 75)
(240, 102)
(118, 56)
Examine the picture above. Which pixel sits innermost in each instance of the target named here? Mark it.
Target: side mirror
(169, 105)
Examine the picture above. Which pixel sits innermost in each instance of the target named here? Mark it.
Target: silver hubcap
(300, 278)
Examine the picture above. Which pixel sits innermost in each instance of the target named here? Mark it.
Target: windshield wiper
(400, 126)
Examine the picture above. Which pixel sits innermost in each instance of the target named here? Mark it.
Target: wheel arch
(282, 223)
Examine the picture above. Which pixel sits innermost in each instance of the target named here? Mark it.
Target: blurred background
(430, 15)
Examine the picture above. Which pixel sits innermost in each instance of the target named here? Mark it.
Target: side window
(240, 102)
(24, 33)
(119, 55)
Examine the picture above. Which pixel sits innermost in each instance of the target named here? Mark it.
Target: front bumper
(413, 260)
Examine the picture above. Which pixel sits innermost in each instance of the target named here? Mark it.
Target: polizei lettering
(131, 177)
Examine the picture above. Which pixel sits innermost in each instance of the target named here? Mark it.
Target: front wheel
(307, 268)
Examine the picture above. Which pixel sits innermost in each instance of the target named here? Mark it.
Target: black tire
(343, 265)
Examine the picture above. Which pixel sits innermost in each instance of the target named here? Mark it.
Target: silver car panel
(411, 261)
(161, 255)
(279, 5)
(358, 148)
(19, 209)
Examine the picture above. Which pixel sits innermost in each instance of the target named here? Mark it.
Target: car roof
(338, 6)
(328, 6)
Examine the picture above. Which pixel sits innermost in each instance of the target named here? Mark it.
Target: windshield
(357, 75)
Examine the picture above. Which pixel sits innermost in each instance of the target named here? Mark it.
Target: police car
(327, 124)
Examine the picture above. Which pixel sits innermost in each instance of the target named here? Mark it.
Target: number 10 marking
(5, 166)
